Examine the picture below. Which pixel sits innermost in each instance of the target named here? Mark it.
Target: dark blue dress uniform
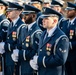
(70, 30)
(10, 44)
(11, 41)
(4, 23)
(28, 43)
(53, 51)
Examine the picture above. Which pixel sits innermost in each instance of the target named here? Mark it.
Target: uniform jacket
(12, 41)
(52, 53)
(29, 42)
(70, 31)
(4, 23)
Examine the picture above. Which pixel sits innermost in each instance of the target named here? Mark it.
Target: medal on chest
(71, 34)
(14, 35)
(48, 48)
(27, 41)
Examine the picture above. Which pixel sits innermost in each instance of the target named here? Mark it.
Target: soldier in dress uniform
(11, 42)
(4, 23)
(57, 5)
(28, 42)
(53, 46)
(69, 29)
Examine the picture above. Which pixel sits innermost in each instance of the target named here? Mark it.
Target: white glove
(2, 48)
(15, 55)
(2, 51)
(33, 65)
(2, 45)
(35, 58)
(15, 52)
(14, 58)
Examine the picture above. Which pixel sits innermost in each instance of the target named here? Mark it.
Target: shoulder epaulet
(18, 30)
(57, 43)
(37, 31)
(5, 20)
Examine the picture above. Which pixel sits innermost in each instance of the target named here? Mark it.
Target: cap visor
(69, 8)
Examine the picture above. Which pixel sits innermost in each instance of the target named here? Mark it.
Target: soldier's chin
(44, 26)
(70, 16)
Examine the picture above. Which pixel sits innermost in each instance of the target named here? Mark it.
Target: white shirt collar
(50, 32)
(14, 21)
(1, 14)
(72, 20)
(30, 25)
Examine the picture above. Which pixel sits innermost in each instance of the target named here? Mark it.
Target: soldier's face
(71, 13)
(13, 14)
(47, 22)
(28, 18)
(57, 8)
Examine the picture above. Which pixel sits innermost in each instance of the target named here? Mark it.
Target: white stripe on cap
(71, 8)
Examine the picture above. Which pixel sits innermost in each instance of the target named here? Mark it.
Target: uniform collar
(14, 21)
(30, 25)
(72, 20)
(50, 32)
(1, 14)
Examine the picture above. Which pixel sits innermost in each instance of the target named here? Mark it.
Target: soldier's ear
(55, 20)
(34, 16)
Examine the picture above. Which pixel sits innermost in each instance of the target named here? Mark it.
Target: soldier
(28, 42)
(4, 23)
(57, 5)
(53, 46)
(69, 29)
(14, 11)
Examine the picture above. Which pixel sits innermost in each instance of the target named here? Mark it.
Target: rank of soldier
(71, 33)
(14, 34)
(48, 47)
(27, 38)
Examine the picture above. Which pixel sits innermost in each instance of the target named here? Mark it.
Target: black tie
(69, 24)
(27, 28)
(46, 35)
(11, 24)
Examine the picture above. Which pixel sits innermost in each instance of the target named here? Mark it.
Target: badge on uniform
(27, 41)
(48, 48)
(71, 34)
(27, 44)
(27, 38)
(14, 35)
